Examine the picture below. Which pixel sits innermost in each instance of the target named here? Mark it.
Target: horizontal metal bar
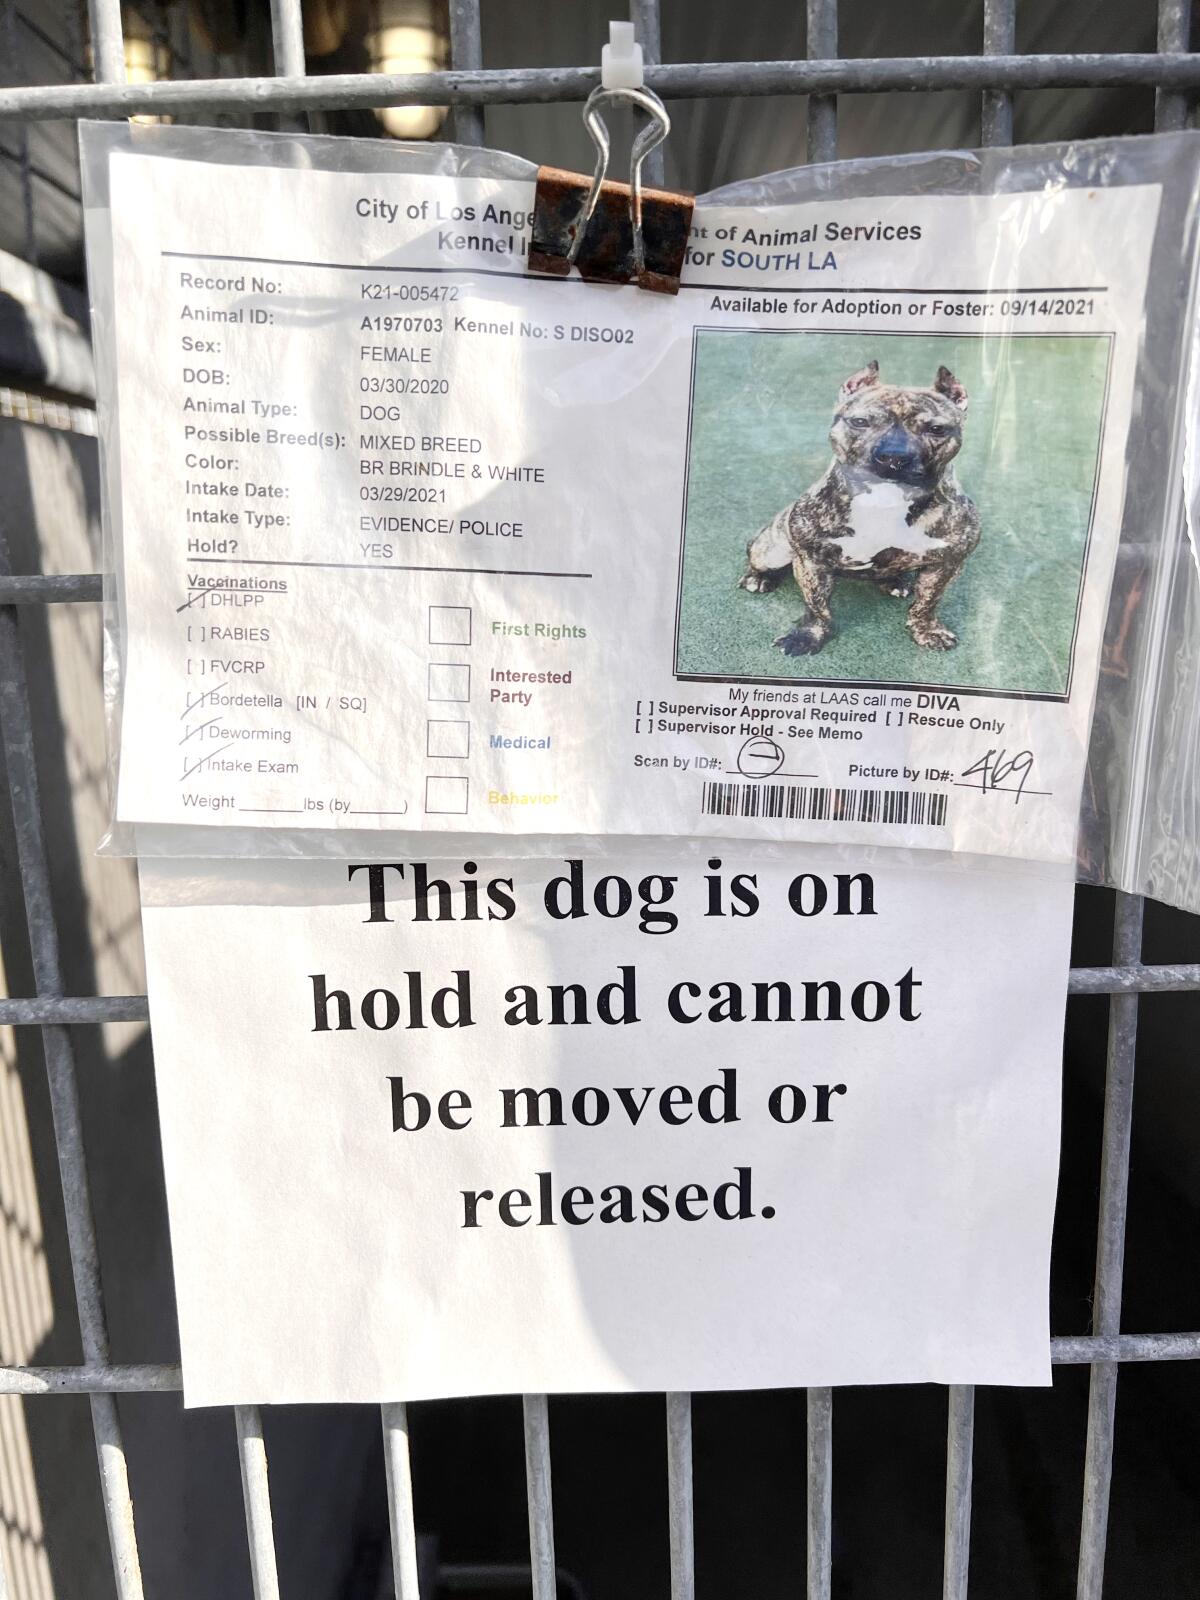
(46, 588)
(1133, 979)
(47, 1009)
(153, 1378)
(146, 1378)
(676, 80)
(1089, 1348)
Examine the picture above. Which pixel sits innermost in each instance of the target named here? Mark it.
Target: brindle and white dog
(888, 508)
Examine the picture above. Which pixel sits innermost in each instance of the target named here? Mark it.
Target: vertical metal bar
(16, 730)
(256, 1496)
(820, 1492)
(1174, 34)
(960, 1444)
(538, 1490)
(679, 1496)
(108, 43)
(400, 1501)
(647, 27)
(466, 55)
(822, 108)
(12, 51)
(1110, 1254)
(999, 39)
(287, 38)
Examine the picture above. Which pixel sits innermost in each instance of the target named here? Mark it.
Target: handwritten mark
(194, 705)
(199, 727)
(996, 771)
(203, 761)
(199, 596)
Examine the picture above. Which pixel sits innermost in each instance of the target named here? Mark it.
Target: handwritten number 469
(997, 770)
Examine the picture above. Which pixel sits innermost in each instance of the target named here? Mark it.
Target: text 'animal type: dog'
(888, 508)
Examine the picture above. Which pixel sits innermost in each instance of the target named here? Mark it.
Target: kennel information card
(435, 1128)
(819, 549)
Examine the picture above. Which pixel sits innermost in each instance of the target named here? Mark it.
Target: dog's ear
(860, 380)
(946, 383)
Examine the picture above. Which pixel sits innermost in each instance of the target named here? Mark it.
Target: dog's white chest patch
(879, 521)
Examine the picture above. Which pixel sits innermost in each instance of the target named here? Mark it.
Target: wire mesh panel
(994, 74)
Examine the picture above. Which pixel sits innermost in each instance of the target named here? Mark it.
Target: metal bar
(999, 39)
(1133, 978)
(161, 1378)
(546, 85)
(1086, 1348)
(647, 26)
(39, 589)
(1174, 36)
(256, 1496)
(960, 1446)
(81, 1009)
(400, 1502)
(146, 1378)
(108, 43)
(820, 1492)
(106, 1008)
(680, 1506)
(287, 38)
(16, 730)
(540, 1496)
(1110, 1255)
(466, 55)
(822, 108)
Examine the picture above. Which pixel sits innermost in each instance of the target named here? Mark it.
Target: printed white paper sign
(633, 1123)
(412, 540)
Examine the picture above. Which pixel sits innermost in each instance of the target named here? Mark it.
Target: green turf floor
(761, 413)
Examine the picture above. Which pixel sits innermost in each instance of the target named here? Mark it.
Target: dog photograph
(889, 508)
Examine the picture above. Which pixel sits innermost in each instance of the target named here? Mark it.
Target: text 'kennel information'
(819, 549)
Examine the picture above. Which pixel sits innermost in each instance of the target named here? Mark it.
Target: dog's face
(901, 435)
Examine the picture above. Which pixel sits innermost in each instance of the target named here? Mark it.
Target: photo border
(792, 681)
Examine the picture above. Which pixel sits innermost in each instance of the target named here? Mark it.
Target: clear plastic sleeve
(1138, 793)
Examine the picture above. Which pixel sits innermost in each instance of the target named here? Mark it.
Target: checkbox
(449, 624)
(449, 741)
(446, 796)
(449, 680)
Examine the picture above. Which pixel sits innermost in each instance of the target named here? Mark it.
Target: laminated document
(817, 550)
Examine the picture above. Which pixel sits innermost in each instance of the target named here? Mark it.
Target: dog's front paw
(933, 635)
(900, 591)
(801, 641)
(760, 582)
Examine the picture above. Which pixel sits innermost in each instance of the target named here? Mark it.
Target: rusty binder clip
(613, 232)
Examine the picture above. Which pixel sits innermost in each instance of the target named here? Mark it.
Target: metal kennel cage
(996, 74)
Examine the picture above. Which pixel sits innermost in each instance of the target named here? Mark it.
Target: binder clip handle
(649, 138)
(613, 232)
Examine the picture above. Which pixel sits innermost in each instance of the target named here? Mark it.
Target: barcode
(799, 803)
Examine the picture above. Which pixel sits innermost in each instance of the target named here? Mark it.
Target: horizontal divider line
(582, 283)
(676, 81)
(384, 566)
(49, 1010)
